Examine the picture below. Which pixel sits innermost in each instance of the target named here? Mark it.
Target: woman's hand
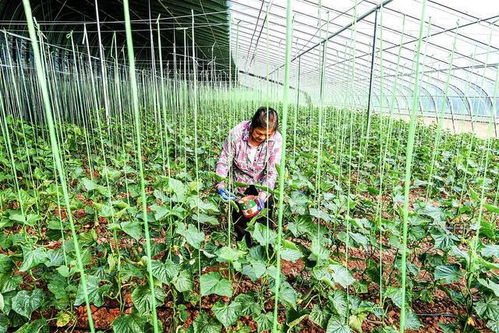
(226, 195)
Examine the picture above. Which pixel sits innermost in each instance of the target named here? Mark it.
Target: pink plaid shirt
(234, 154)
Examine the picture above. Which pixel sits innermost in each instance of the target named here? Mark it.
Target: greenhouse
(249, 166)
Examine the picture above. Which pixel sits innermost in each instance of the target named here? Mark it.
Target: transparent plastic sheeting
(462, 43)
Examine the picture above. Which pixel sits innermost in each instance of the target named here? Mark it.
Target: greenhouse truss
(249, 166)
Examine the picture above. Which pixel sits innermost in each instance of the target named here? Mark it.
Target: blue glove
(225, 194)
(260, 203)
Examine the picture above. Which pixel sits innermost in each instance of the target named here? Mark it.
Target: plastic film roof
(458, 63)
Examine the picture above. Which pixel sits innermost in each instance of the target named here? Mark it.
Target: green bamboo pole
(56, 154)
(282, 166)
(408, 169)
(135, 105)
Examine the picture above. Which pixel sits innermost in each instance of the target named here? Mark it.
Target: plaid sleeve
(274, 158)
(226, 155)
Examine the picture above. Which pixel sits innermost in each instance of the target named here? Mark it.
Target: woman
(251, 152)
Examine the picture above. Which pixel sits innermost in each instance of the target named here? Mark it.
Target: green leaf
(290, 252)
(25, 302)
(342, 276)
(263, 235)
(319, 316)
(490, 285)
(132, 323)
(395, 294)
(447, 273)
(206, 324)
(141, 298)
(488, 309)
(203, 218)
(247, 305)
(320, 214)
(226, 314)
(89, 185)
(178, 188)
(32, 258)
(160, 271)
(254, 270)
(213, 283)
(319, 252)
(55, 258)
(183, 282)
(335, 325)
(412, 321)
(491, 250)
(491, 208)
(264, 321)
(4, 323)
(192, 235)
(36, 326)
(227, 254)
(93, 290)
(133, 229)
(6, 264)
(493, 325)
(339, 301)
(288, 295)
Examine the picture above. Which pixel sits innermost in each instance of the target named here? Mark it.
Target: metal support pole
(372, 72)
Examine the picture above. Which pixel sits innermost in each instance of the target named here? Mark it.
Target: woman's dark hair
(265, 117)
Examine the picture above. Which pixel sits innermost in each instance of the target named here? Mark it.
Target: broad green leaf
(395, 294)
(36, 326)
(55, 258)
(490, 285)
(32, 258)
(342, 276)
(93, 290)
(493, 325)
(490, 250)
(4, 323)
(192, 235)
(227, 314)
(132, 229)
(447, 273)
(247, 305)
(213, 283)
(290, 252)
(263, 235)
(412, 321)
(206, 324)
(89, 185)
(319, 252)
(25, 302)
(264, 321)
(131, 323)
(227, 254)
(6, 264)
(488, 309)
(203, 218)
(335, 325)
(160, 272)
(491, 208)
(141, 298)
(288, 295)
(254, 270)
(339, 301)
(319, 214)
(183, 282)
(319, 316)
(178, 188)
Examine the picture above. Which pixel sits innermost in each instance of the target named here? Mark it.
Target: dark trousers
(241, 222)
